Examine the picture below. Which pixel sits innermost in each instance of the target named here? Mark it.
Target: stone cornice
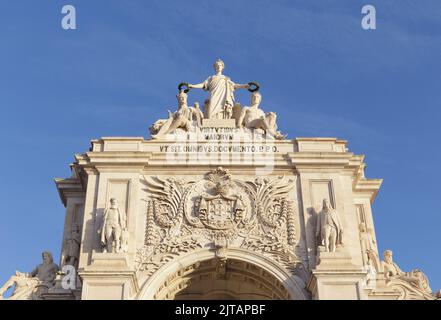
(320, 145)
(370, 187)
(322, 160)
(99, 161)
(70, 187)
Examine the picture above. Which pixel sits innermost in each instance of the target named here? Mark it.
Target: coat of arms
(220, 206)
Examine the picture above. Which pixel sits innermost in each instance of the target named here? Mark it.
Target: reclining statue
(30, 286)
(392, 272)
(253, 117)
(182, 118)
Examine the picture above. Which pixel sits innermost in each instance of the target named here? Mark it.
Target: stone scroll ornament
(220, 212)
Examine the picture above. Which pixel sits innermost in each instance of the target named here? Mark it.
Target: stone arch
(165, 282)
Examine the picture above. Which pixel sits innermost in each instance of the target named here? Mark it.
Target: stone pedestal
(336, 277)
(61, 294)
(337, 285)
(339, 260)
(102, 261)
(109, 277)
(108, 285)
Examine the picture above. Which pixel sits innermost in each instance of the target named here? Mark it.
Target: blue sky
(319, 70)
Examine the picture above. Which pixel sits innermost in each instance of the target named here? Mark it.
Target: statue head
(387, 256)
(219, 66)
(113, 203)
(256, 98)
(326, 205)
(182, 98)
(47, 257)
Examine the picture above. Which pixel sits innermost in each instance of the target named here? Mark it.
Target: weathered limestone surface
(218, 204)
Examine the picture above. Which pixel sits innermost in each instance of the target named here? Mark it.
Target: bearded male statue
(30, 286)
(392, 271)
(253, 117)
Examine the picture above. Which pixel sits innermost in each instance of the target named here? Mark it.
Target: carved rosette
(218, 211)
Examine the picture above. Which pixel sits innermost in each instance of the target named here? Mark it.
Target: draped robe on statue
(221, 93)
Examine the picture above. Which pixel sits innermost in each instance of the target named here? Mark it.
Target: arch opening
(203, 276)
(216, 279)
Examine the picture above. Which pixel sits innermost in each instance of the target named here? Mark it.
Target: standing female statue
(221, 90)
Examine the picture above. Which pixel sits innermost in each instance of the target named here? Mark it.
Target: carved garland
(290, 223)
(150, 238)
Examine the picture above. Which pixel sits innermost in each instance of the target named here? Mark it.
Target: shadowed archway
(244, 275)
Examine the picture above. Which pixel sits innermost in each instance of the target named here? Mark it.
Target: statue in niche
(391, 272)
(253, 117)
(73, 243)
(368, 247)
(114, 223)
(329, 228)
(221, 100)
(30, 286)
(182, 118)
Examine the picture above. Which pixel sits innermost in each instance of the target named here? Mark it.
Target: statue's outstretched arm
(197, 86)
(241, 86)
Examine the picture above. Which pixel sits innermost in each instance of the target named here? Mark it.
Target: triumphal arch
(217, 203)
